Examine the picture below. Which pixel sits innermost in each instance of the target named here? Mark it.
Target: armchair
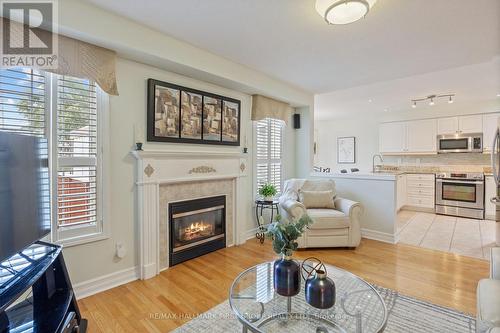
(336, 226)
(488, 298)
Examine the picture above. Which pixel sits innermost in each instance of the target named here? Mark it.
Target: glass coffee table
(358, 308)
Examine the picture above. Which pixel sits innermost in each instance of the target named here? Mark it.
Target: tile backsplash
(470, 162)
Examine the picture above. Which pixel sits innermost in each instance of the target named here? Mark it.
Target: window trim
(255, 160)
(78, 235)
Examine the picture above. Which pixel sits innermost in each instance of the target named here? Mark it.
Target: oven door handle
(452, 181)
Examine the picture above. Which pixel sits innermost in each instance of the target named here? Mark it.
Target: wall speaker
(296, 121)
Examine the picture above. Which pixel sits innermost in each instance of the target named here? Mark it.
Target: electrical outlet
(121, 251)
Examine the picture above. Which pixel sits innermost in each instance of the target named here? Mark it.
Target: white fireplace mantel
(157, 168)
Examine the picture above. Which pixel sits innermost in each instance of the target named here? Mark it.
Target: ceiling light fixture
(343, 11)
(431, 99)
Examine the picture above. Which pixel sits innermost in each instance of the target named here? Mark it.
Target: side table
(262, 205)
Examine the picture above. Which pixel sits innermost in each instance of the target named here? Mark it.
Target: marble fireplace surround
(163, 177)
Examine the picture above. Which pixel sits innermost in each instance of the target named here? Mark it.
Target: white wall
(366, 128)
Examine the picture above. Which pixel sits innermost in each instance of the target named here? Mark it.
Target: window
(269, 152)
(65, 111)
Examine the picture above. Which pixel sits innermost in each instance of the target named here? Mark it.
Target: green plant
(285, 233)
(268, 190)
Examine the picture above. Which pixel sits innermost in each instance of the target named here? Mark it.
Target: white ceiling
(288, 40)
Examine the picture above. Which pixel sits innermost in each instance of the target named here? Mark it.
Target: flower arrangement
(285, 234)
(268, 191)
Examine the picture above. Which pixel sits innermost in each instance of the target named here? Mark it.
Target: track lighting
(431, 99)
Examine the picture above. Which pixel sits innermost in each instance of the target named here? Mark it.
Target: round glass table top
(358, 306)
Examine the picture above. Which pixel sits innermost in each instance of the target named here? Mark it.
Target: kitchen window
(72, 114)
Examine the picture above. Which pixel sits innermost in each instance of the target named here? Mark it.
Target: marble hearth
(168, 177)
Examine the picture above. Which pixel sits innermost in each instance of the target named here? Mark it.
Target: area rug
(405, 314)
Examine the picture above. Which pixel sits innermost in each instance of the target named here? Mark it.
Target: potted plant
(268, 191)
(286, 271)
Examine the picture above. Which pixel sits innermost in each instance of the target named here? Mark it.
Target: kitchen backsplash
(467, 162)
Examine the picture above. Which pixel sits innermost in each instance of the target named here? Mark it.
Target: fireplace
(196, 227)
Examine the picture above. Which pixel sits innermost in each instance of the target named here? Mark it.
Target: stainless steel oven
(460, 194)
(460, 143)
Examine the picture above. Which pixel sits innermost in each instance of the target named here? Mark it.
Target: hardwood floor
(168, 300)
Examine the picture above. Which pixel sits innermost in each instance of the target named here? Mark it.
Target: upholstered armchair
(488, 298)
(336, 220)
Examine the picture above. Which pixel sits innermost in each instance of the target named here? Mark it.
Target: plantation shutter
(22, 101)
(269, 143)
(77, 152)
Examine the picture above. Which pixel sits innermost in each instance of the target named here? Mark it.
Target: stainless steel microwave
(460, 143)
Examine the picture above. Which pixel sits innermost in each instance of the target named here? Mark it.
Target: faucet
(373, 161)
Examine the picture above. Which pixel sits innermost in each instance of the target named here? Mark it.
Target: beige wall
(96, 259)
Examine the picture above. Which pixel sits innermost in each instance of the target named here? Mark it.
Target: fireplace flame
(197, 230)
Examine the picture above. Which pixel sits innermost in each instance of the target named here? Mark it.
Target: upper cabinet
(447, 125)
(421, 136)
(462, 124)
(490, 123)
(417, 136)
(392, 137)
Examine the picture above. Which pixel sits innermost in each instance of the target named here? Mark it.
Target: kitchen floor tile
(462, 236)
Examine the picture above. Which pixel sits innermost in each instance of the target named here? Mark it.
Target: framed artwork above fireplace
(185, 115)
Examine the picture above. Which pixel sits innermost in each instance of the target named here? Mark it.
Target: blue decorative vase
(320, 291)
(286, 277)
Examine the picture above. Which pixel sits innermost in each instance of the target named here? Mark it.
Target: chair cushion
(328, 219)
(317, 199)
(488, 301)
(319, 185)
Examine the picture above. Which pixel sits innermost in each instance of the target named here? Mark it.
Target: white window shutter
(269, 152)
(77, 151)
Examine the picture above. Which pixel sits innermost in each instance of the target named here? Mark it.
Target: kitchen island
(377, 192)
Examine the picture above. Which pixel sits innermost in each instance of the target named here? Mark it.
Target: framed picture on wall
(166, 112)
(230, 120)
(185, 115)
(191, 108)
(346, 150)
(212, 118)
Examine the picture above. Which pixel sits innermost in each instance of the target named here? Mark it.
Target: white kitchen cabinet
(401, 192)
(470, 124)
(462, 124)
(420, 190)
(447, 125)
(392, 137)
(490, 123)
(490, 192)
(421, 136)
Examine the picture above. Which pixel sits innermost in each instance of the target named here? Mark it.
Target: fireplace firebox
(196, 227)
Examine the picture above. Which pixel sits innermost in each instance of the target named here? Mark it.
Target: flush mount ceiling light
(431, 99)
(343, 11)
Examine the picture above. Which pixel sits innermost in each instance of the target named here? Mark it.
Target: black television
(24, 192)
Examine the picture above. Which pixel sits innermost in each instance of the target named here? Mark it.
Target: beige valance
(79, 59)
(265, 107)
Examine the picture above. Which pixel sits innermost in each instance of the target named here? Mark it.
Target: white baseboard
(105, 282)
(379, 236)
(249, 234)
